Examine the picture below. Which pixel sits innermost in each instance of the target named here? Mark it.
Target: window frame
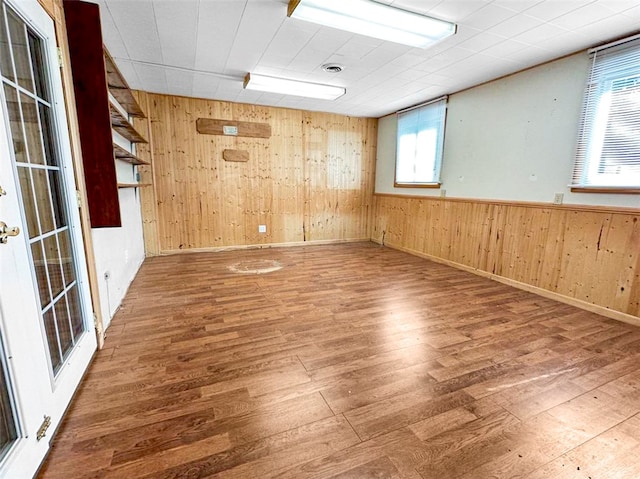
(440, 102)
(609, 66)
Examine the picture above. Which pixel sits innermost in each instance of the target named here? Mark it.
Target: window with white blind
(608, 153)
(419, 145)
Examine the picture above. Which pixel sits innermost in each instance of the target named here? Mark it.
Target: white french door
(46, 337)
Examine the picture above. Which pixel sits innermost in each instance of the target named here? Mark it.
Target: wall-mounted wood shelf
(121, 124)
(133, 185)
(119, 88)
(124, 155)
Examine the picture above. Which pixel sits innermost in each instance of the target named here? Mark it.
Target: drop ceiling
(204, 48)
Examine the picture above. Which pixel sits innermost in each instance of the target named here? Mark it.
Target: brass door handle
(6, 231)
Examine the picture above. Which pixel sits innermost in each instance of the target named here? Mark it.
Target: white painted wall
(119, 251)
(511, 139)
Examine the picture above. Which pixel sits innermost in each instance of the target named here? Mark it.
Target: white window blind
(608, 152)
(419, 144)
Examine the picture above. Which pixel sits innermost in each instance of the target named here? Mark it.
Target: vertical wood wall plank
(590, 255)
(148, 202)
(311, 180)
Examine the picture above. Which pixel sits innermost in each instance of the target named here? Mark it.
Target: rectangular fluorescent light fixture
(292, 87)
(373, 20)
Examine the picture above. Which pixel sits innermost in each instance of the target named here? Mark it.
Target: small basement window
(608, 153)
(419, 145)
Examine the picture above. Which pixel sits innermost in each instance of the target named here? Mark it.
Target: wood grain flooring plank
(272, 456)
(402, 448)
(612, 454)
(353, 360)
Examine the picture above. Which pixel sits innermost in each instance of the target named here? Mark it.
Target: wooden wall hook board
(211, 126)
(235, 155)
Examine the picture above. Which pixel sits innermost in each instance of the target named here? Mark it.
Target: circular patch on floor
(255, 266)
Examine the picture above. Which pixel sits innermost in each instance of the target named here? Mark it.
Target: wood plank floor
(352, 361)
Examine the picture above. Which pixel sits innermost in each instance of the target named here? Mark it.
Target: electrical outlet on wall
(558, 198)
(262, 228)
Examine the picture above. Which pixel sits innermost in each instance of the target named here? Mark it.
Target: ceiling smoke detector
(332, 67)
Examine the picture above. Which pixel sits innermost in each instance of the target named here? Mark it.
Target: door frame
(52, 397)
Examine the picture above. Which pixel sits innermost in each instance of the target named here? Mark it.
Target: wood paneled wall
(590, 254)
(312, 180)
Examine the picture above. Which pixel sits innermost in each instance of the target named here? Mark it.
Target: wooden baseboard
(292, 244)
(594, 308)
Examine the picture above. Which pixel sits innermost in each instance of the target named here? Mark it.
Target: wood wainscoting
(585, 255)
(312, 180)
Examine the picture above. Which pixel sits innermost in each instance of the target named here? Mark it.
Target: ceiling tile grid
(204, 48)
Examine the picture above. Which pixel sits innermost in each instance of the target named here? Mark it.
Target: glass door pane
(8, 427)
(26, 91)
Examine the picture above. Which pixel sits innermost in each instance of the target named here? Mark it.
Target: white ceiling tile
(550, 9)
(606, 30)
(454, 11)
(569, 42)
(633, 13)
(180, 82)
(327, 40)
(269, 71)
(482, 42)
(383, 55)
(130, 74)
(205, 86)
(111, 35)
(307, 60)
(253, 96)
(582, 16)
(618, 6)
(529, 56)
(506, 48)
(418, 6)
(258, 26)
(463, 33)
(517, 5)
(228, 90)
(353, 75)
(291, 38)
(423, 95)
(356, 49)
(515, 25)
(452, 56)
(544, 32)
(435, 79)
(137, 26)
(218, 24)
(177, 28)
(433, 64)
(488, 16)
(407, 60)
(436, 48)
(152, 77)
(273, 59)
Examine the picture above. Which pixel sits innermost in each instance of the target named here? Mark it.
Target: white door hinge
(60, 62)
(78, 199)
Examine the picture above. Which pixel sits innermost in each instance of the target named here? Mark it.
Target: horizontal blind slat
(608, 149)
